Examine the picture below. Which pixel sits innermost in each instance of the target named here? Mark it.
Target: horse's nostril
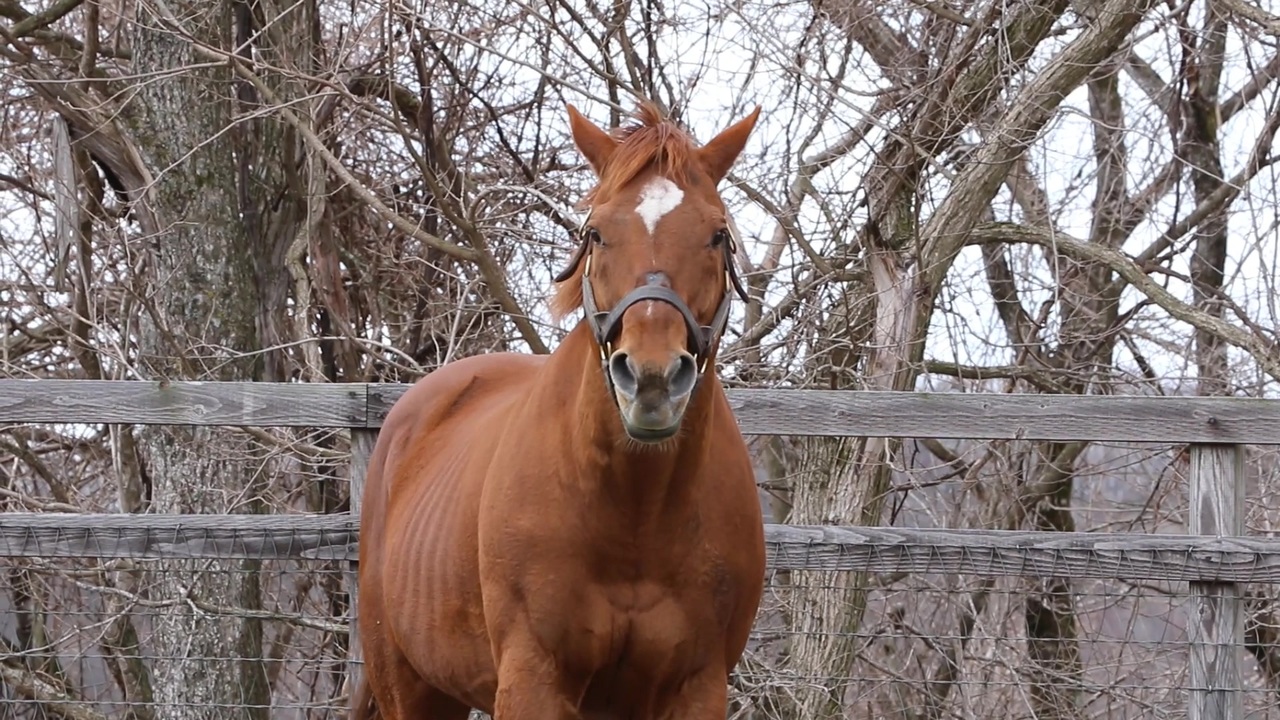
(623, 373)
(632, 382)
(682, 376)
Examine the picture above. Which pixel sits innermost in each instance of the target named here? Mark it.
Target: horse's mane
(652, 140)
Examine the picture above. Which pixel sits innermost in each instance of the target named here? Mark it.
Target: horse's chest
(643, 626)
(650, 631)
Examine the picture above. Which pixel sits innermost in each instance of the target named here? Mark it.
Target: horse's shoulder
(436, 428)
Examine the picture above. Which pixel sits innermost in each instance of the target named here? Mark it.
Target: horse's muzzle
(652, 399)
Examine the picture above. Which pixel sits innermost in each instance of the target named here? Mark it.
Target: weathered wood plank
(174, 536)
(1132, 556)
(974, 416)
(183, 403)
(362, 445)
(1126, 556)
(1215, 628)
(980, 416)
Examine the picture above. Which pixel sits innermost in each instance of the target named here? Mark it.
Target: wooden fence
(1215, 559)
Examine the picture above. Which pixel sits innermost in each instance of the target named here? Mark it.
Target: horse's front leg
(703, 697)
(531, 688)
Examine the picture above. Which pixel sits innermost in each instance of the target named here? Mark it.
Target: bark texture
(202, 323)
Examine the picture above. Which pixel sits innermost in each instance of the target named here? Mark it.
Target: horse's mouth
(650, 435)
(650, 419)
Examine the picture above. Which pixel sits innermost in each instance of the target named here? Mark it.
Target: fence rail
(827, 413)
(1125, 556)
(1215, 559)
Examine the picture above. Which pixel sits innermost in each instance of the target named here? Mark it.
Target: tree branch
(488, 267)
(1262, 350)
(28, 23)
(1254, 13)
(49, 697)
(946, 231)
(1223, 194)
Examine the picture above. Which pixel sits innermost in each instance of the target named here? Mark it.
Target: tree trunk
(201, 324)
(845, 481)
(1088, 307)
(851, 485)
(908, 258)
(1208, 263)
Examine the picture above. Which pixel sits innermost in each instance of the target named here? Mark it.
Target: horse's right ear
(595, 144)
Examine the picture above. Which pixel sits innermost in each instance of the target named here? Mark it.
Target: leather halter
(605, 325)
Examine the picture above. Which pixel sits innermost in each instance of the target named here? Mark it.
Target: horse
(578, 535)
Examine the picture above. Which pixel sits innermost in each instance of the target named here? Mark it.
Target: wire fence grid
(133, 639)
(138, 638)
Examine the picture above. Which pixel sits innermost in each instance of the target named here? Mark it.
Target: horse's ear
(719, 154)
(595, 144)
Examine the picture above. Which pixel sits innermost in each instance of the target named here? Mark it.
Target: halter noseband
(606, 325)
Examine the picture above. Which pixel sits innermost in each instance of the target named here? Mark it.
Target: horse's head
(654, 271)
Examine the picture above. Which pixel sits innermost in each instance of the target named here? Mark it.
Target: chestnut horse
(578, 535)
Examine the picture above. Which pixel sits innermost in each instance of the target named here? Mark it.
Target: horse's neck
(643, 478)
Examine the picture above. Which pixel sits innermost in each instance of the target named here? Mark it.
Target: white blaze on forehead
(659, 197)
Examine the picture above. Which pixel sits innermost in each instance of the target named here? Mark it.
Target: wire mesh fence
(166, 639)
(268, 638)
(979, 647)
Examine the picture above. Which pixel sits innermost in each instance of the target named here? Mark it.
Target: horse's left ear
(719, 154)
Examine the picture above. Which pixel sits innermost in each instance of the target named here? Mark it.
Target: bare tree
(1022, 196)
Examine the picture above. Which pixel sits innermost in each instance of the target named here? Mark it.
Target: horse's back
(418, 524)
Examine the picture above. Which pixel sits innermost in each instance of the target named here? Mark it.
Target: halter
(606, 325)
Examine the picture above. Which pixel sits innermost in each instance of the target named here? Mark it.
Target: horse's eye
(595, 236)
(719, 238)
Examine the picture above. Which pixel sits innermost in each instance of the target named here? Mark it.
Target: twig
(943, 11)
(51, 698)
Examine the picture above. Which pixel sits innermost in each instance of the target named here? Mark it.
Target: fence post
(362, 442)
(1215, 627)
